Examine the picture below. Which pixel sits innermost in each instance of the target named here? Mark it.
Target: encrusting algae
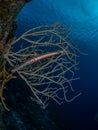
(8, 12)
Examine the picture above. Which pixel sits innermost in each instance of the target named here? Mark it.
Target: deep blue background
(82, 15)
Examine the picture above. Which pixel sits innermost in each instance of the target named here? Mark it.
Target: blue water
(82, 17)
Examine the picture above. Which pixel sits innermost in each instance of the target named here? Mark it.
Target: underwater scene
(49, 65)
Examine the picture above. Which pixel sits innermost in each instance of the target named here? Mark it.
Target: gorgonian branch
(46, 62)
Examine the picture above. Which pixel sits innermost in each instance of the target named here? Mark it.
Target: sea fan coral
(46, 60)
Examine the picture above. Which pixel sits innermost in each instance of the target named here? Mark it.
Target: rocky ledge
(8, 12)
